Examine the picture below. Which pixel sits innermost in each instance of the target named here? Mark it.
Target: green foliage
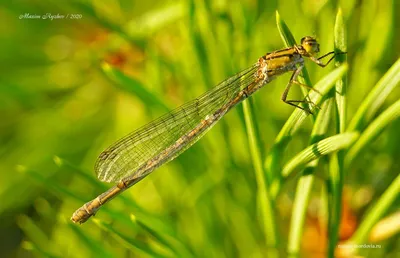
(71, 87)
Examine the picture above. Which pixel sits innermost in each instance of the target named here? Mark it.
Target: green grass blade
(128, 241)
(335, 203)
(305, 183)
(300, 204)
(373, 130)
(376, 97)
(284, 31)
(154, 20)
(51, 184)
(91, 244)
(317, 150)
(197, 43)
(341, 85)
(171, 243)
(264, 202)
(45, 210)
(336, 168)
(36, 235)
(133, 86)
(35, 249)
(62, 163)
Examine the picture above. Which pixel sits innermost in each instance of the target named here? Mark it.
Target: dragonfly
(139, 153)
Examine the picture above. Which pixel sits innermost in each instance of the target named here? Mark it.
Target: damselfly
(136, 155)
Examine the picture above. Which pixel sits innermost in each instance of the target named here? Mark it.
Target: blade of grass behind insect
(197, 44)
(128, 241)
(335, 202)
(264, 201)
(284, 31)
(266, 8)
(208, 36)
(336, 166)
(44, 209)
(47, 213)
(51, 184)
(341, 84)
(305, 183)
(156, 235)
(133, 86)
(376, 97)
(62, 163)
(372, 131)
(378, 210)
(348, 6)
(92, 245)
(317, 150)
(35, 234)
(35, 249)
(174, 246)
(154, 20)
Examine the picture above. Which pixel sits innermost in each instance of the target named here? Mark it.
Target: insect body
(136, 155)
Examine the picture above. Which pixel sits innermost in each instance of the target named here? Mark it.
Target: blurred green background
(70, 87)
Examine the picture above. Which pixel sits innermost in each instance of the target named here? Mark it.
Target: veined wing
(123, 158)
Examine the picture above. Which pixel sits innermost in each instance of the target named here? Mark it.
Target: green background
(71, 87)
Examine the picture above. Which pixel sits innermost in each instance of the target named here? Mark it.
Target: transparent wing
(123, 158)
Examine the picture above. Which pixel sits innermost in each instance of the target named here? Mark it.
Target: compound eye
(310, 43)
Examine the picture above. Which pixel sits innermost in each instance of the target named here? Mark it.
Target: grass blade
(376, 97)
(305, 183)
(267, 212)
(373, 130)
(154, 20)
(341, 85)
(133, 86)
(35, 249)
(319, 149)
(336, 168)
(36, 235)
(179, 250)
(91, 244)
(128, 241)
